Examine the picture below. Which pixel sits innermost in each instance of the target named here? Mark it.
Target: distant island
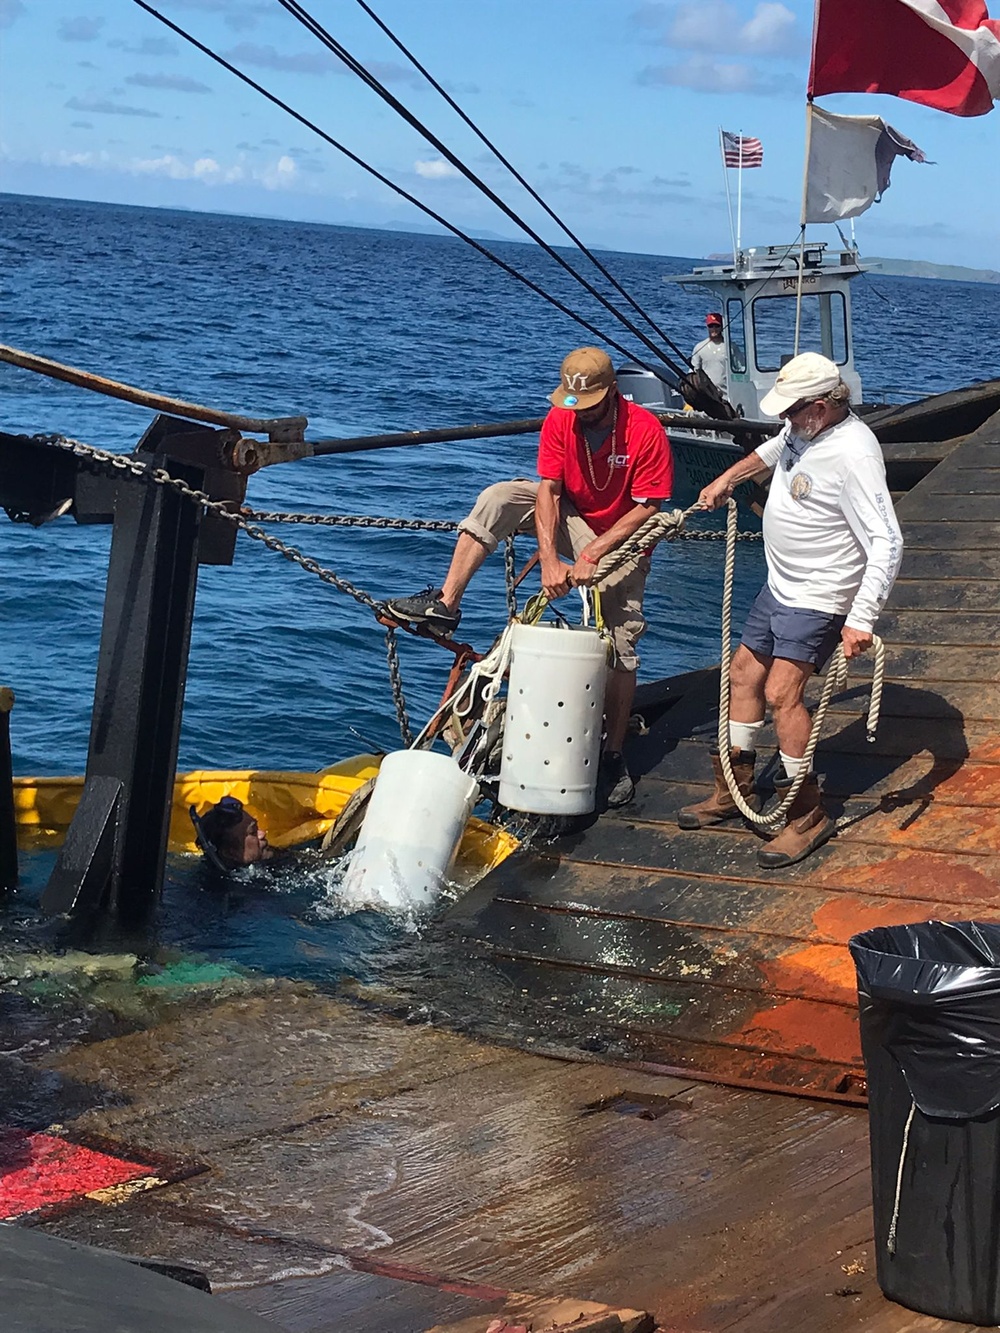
(920, 268)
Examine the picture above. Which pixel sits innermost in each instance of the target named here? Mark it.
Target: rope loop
(836, 678)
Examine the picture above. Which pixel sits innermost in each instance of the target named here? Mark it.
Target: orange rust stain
(917, 874)
(846, 915)
(988, 750)
(802, 1028)
(950, 828)
(819, 971)
(973, 782)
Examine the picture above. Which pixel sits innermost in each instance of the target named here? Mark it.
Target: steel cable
(483, 138)
(302, 15)
(390, 184)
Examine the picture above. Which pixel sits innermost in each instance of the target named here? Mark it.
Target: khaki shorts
(508, 508)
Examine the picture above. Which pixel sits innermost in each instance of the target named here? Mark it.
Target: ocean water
(363, 331)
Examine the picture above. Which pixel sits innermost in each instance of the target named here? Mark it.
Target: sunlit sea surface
(363, 331)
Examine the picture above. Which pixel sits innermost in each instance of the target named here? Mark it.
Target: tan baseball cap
(807, 376)
(586, 376)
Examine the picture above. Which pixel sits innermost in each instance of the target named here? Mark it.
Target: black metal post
(8, 817)
(112, 861)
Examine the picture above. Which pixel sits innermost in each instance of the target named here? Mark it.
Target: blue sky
(610, 107)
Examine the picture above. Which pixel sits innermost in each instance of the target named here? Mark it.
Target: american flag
(741, 151)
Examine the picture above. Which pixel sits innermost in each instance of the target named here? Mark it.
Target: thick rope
(836, 677)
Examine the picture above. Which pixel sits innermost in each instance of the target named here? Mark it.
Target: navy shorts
(776, 630)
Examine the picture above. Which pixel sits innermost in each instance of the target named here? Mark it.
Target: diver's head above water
(234, 834)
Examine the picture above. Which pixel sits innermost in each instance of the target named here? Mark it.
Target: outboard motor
(647, 389)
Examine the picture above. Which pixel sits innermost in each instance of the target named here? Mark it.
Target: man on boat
(605, 467)
(833, 549)
(711, 354)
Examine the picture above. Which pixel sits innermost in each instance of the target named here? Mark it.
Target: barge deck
(348, 1169)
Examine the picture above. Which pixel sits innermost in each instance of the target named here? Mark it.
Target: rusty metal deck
(706, 962)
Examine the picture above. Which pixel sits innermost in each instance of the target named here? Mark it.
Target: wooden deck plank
(957, 629)
(975, 535)
(912, 594)
(967, 567)
(970, 506)
(662, 917)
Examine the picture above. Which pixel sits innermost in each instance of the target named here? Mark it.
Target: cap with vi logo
(587, 375)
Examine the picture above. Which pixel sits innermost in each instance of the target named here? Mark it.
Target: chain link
(161, 477)
(248, 521)
(510, 577)
(396, 682)
(428, 524)
(353, 521)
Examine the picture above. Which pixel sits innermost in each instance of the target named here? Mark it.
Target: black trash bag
(930, 995)
(930, 1032)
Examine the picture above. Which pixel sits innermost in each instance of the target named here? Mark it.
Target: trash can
(929, 997)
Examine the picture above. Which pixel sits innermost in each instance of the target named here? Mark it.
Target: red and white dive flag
(741, 151)
(943, 53)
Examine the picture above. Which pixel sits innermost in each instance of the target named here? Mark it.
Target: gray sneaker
(616, 781)
(425, 608)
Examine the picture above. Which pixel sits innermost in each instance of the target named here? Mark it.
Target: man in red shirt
(605, 467)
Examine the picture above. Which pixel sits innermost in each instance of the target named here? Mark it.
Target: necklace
(590, 456)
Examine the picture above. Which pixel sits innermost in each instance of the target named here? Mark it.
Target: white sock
(743, 735)
(790, 765)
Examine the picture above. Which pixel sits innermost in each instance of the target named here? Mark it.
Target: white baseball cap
(807, 376)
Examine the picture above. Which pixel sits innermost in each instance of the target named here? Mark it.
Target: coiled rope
(836, 677)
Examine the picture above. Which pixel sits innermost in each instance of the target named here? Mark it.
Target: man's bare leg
(467, 557)
(748, 674)
(618, 695)
(785, 691)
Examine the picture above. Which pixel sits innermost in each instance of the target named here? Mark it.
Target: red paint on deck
(38, 1171)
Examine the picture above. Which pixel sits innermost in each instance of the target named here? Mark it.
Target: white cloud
(772, 29)
(720, 26)
(435, 169)
(704, 75)
(277, 175)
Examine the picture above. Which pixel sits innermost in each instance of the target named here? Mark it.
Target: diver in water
(230, 837)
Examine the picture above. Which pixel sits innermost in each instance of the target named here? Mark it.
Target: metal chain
(396, 682)
(249, 521)
(510, 578)
(353, 521)
(161, 477)
(428, 524)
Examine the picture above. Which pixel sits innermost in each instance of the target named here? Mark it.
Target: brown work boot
(807, 826)
(720, 806)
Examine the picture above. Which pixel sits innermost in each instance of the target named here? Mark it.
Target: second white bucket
(555, 711)
(416, 816)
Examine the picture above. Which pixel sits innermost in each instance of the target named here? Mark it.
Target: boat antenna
(483, 138)
(340, 51)
(398, 189)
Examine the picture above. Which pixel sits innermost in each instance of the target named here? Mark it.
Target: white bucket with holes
(552, 728)
(415, 820)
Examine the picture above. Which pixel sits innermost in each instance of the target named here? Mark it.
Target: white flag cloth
(850, 158)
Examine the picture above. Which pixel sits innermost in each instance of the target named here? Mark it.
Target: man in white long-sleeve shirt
(833, 549)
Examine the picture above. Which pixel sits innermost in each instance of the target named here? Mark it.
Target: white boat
(757, 296)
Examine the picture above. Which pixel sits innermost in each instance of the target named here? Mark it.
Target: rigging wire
(340, 51)
(398, 189)
(483, 138)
